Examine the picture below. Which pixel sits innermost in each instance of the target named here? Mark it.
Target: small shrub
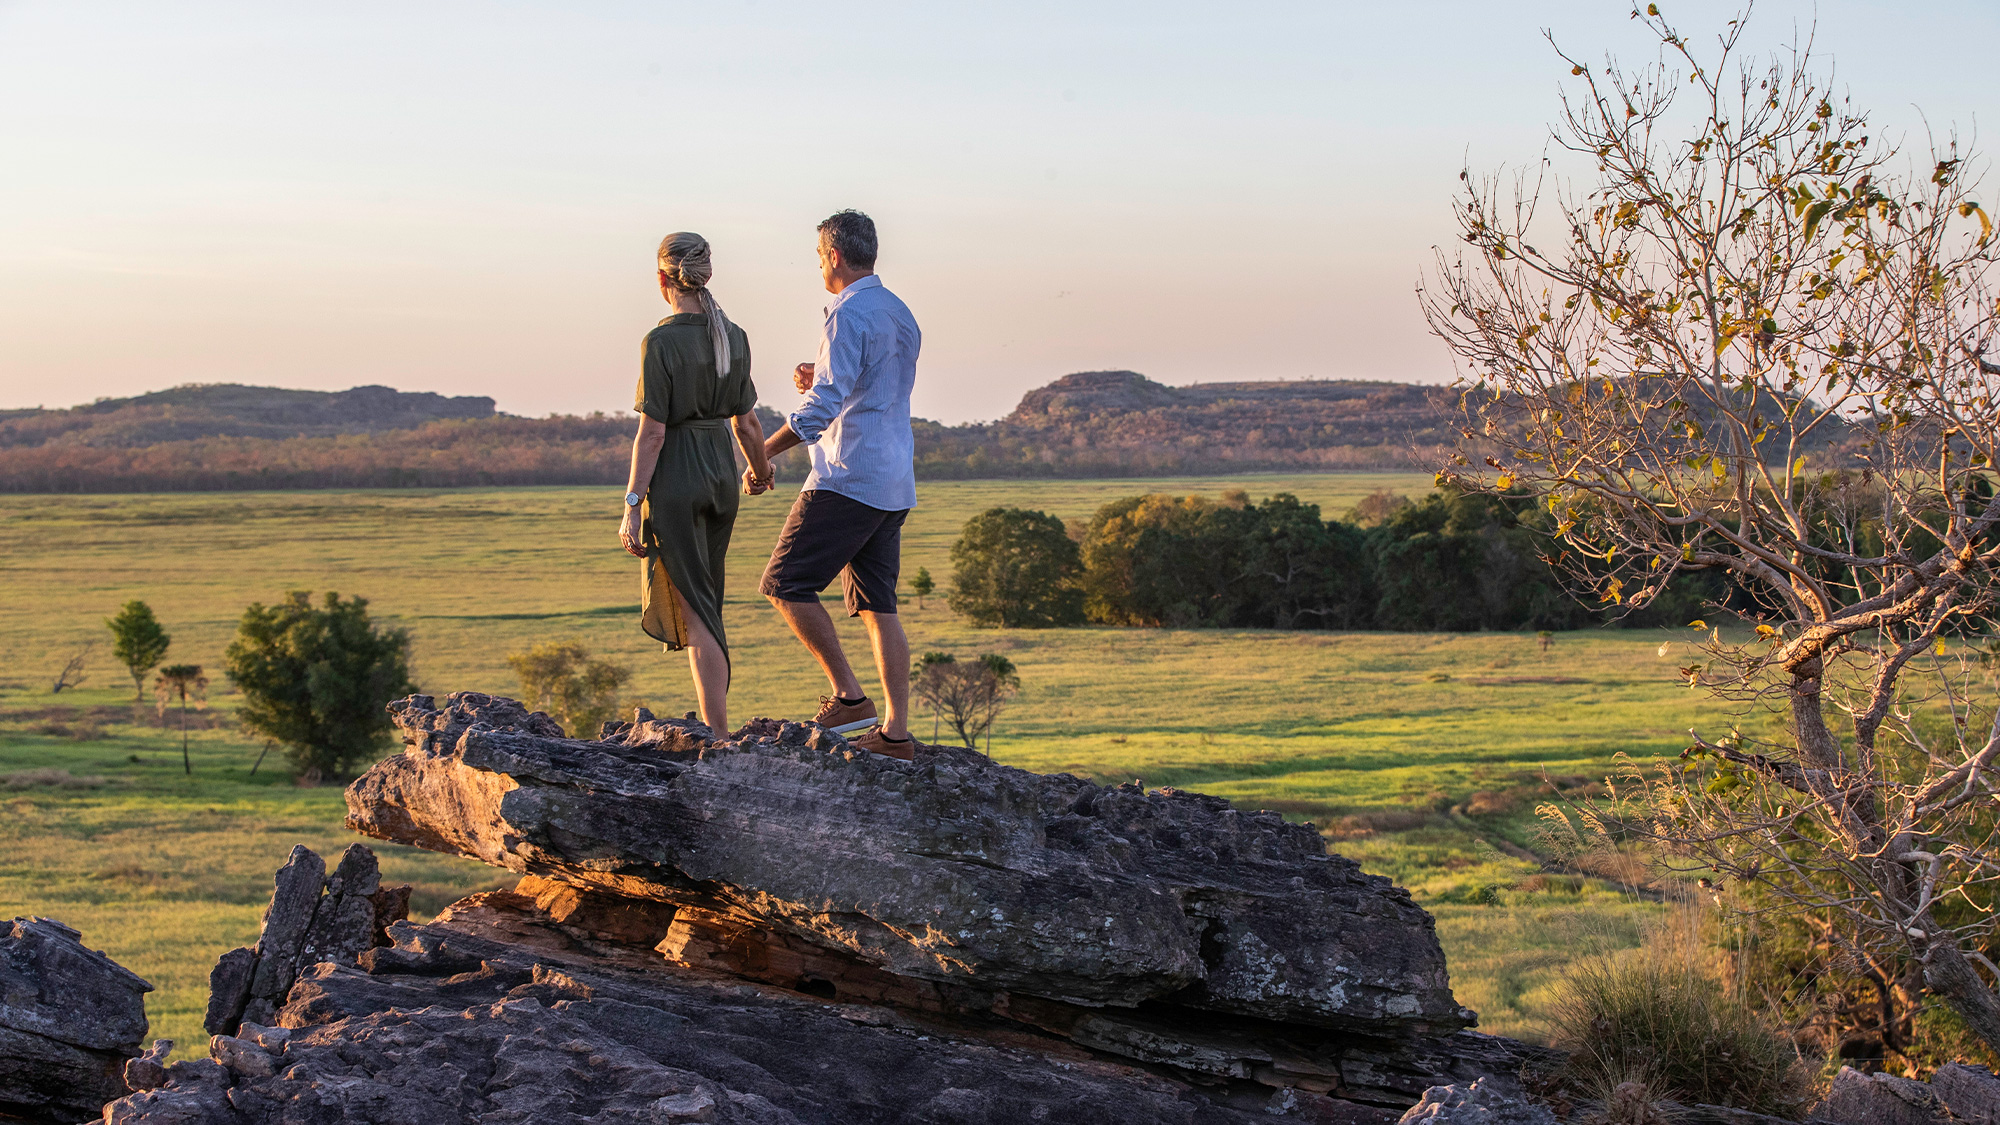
(560, 677)
(967, 696)
(1651, 1016)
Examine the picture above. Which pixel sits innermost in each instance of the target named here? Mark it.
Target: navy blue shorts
(828, 534)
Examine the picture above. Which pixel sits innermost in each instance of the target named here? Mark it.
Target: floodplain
(1423, 756)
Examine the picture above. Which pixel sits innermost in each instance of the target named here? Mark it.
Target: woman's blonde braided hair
(684, 258)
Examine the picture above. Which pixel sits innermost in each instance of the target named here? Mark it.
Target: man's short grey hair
(853, 234)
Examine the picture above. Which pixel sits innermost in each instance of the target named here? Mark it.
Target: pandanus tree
(1756, 341)
(183, 683)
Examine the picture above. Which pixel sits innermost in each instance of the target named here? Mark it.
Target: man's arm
(777, 443)
(834, 378)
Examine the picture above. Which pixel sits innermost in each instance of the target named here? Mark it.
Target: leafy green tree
(1463, 562)
(922, 585)
(1302, 571)
(139, 642)
(1017, 568)
(317, 679)
(559, 677)
(1166, 560)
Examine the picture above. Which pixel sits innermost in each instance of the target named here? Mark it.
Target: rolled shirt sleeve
(842, 352)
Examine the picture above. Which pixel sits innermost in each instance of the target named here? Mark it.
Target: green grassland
(1422, 755)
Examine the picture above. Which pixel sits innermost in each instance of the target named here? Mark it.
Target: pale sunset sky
(466, 198)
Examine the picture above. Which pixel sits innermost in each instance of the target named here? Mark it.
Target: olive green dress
(691, 501)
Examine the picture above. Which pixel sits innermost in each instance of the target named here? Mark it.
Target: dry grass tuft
(1652, 1017)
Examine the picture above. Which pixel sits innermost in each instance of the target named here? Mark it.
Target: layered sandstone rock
(951, 870)
(70, 1017)
(772, 928)
(314, 916)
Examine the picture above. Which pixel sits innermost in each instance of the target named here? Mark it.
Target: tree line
(1457, 561)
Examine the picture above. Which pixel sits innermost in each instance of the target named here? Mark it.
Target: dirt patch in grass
(49, 779)
(1504, 681)
(1368, 824)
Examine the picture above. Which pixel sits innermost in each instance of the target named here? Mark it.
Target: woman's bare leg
(710, 668)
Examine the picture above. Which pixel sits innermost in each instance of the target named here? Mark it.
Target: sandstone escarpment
(773, 927)
(951, 870)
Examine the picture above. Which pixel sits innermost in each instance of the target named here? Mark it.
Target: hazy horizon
(466, 199)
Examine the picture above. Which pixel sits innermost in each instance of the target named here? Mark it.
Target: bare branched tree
(72, 674)
(967, 696)
(1758, 345)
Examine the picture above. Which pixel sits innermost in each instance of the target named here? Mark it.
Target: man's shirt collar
(872, 281)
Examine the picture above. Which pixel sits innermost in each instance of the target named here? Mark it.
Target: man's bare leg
(892, 661)
(711, 671)
(813, 626)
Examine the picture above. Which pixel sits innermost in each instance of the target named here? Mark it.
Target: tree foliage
(316, 680)
(560, 677)
(1017, 568)
(1458, 561)
(138, 641)
(1655, 354)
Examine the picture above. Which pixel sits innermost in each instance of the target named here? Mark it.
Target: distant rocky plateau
(773, 927)
(1089, 424)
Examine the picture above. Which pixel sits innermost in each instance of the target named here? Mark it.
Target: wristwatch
(632, 499)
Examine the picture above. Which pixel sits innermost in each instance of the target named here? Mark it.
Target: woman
(680, 501)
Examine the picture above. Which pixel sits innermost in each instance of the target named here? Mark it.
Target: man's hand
(753, 486)
(802, 377)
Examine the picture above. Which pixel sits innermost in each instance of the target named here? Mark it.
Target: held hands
(802, 377)
(754, 484)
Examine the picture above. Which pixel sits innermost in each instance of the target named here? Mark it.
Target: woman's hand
(802, 377)
(629, 536)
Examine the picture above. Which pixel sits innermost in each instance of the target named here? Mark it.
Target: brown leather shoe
(880, 744)
(841, 717)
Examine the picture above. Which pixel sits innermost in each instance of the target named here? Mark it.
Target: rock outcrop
(1479, 1103)
(313, 917)
(1855, 1098)
(70, 1017)
(952, 870)
(775, 928)
(1971, 1093)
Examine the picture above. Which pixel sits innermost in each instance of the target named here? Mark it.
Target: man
(848, 519)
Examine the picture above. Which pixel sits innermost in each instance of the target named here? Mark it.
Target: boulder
(70, 1017)
(1971, 1093)
(497, 1013)
(1855, 1098)
(1480, 1103)
(313, 917)
(772, 927)
(952, 871)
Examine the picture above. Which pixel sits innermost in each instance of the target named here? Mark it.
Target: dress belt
(701, 424)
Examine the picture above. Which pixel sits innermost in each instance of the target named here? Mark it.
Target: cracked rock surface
(951, 869)
(69, 1018)
(496, 1014)
(773, 928)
